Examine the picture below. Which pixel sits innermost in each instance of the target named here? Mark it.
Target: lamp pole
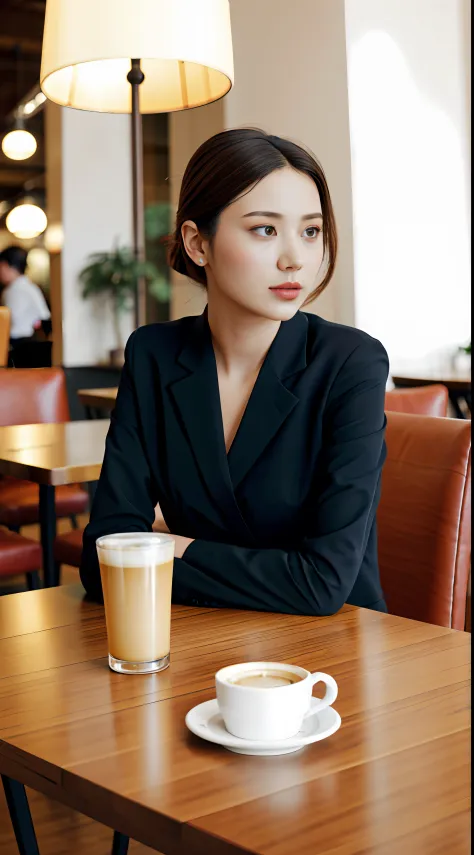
(135, 77)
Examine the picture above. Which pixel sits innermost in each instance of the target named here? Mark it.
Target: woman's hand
(181, 544)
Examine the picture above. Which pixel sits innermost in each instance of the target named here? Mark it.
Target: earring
(201, 261)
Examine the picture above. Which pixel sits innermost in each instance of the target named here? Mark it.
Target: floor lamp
(145, 56)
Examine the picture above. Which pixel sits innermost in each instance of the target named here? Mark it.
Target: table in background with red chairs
(458, 384)
(44, 459)
(52, 455)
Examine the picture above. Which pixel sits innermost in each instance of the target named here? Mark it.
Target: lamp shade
(185, 48)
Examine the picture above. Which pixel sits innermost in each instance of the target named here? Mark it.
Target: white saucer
(206, 721)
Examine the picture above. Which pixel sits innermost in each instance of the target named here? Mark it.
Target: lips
(287, 291)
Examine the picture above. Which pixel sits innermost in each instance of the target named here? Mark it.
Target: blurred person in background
(29, 310)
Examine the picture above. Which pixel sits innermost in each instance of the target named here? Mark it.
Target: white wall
(408, 104)
(96, 201)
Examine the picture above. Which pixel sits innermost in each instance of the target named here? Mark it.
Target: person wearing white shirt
(24, 299)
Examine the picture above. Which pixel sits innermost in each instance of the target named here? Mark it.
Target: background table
(394, 779)
(458, 385)
(97, 399)
(51, 455)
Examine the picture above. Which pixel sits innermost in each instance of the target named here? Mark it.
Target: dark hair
(15, 256)
(221, 170)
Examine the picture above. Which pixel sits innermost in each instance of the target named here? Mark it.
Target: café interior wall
(290, 79)
(408, 77)
(90, 170)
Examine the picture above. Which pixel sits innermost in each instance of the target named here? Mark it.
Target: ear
(194, 244)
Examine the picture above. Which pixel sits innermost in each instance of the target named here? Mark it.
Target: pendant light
(19, 144)
(26, 220)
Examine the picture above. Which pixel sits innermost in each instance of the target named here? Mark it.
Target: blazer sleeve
(317, 577)
(125, 498)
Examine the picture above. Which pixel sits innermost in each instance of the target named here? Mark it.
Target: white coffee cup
(269, 712)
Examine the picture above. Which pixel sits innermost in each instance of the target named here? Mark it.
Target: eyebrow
(276, 216)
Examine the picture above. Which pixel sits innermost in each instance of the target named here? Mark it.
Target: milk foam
(135, 550)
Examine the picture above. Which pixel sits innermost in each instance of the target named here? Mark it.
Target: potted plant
(115, 275)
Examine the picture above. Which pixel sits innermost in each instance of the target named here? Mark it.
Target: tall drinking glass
(137, 572)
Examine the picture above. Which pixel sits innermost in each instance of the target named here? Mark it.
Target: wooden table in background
(394, 780)
(51, 455)
(97, 399)
(457, 383)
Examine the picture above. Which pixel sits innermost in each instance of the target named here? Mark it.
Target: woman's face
(268, 238)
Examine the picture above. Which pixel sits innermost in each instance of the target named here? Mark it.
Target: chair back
(4, 335)
(33, 396)
(421, 400)
(424, 521)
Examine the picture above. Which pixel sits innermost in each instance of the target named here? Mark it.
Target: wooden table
(97, 399)
(458, 385)
(394, 780)
(51, 455)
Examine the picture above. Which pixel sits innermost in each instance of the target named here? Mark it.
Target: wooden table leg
(20, 815)
(47, 512)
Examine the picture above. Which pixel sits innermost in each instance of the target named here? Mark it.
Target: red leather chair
(424, 523)
(19, 555)
(68, 550)
(33, 396)
(422, 400)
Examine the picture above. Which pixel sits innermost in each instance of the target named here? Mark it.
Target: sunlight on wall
(411, 218)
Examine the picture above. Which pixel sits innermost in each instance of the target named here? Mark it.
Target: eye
(268, 231)
(315, 231)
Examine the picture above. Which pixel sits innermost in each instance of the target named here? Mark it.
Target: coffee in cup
(269, 701)
(136, 570)
(266, 679)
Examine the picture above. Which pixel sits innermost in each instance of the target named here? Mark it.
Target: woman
(256, 428)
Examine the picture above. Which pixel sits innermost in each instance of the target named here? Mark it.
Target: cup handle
(329, 697)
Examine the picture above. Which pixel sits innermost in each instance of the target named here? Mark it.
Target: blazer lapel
(271, 402)
(196, 397)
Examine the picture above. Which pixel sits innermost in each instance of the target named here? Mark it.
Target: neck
(17, 276)
(240, 338)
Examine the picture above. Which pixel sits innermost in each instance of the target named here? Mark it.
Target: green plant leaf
(115, 274)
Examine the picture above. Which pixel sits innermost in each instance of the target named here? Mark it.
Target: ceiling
(21, 34)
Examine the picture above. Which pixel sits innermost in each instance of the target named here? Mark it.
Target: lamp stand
(135, 77)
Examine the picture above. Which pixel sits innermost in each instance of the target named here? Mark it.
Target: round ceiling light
(39, 264)
(54, 238)
(26, 221)
(19, 145)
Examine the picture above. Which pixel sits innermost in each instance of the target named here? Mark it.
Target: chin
(283, 311)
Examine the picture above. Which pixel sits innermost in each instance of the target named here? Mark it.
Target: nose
(289, 261)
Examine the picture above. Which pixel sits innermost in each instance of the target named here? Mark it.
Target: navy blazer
(286, 521)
